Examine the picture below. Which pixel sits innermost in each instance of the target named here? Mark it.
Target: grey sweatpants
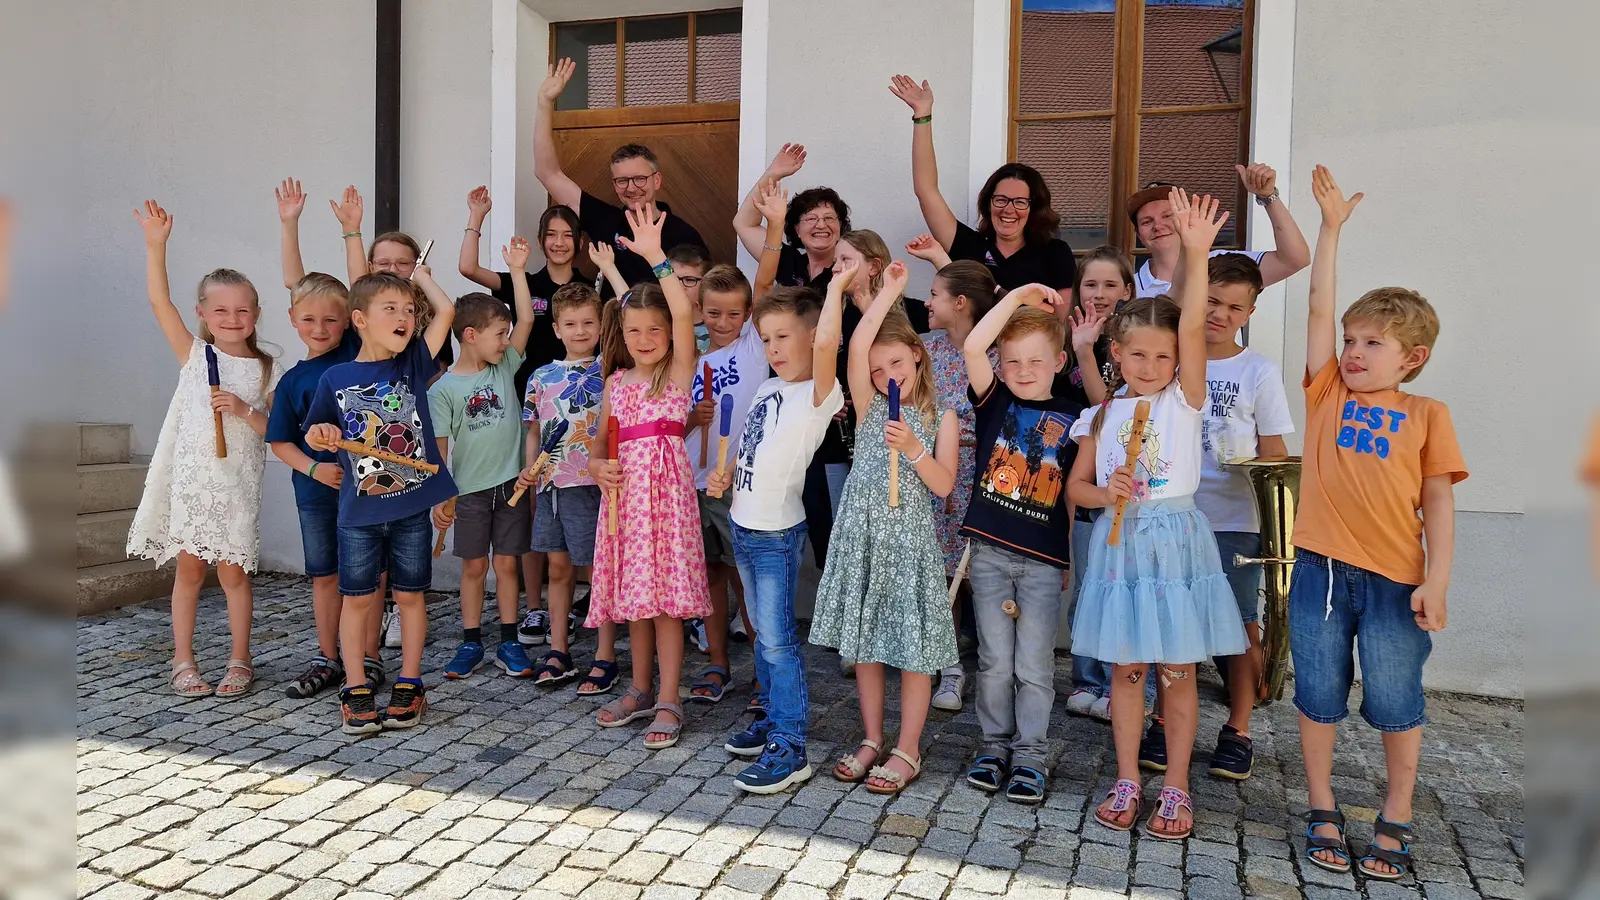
(1016, 657)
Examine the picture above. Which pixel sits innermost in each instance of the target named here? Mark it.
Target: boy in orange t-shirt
(1374, 457)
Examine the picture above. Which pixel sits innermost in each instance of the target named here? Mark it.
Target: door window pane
(592, 46)
(655, 61)
(716, 57)
(1067, 57)
(1074, 157)
(1192, 52)
(1197, 153)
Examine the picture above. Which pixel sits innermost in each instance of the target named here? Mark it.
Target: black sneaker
(359, 707)
(1153, 748)
(322, 674)
(373, 668)
(535, 628)
(406, 703)
(1234, 756)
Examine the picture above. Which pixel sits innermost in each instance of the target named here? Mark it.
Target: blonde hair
(1161, 312)
(318, 284)
(574, 294)
(236, 278)
(1401, 312)
(369, 286)
(870, 245)
(897, 329)
(614, 353)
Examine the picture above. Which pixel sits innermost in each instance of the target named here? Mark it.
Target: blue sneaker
(467, 660)
(513, 660)
(779, 766)
(752, 740)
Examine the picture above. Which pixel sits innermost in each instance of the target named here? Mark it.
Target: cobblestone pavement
(510, 791)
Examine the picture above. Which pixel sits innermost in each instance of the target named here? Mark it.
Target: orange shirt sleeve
(1591, 463)
(1319, 386)
(1441, 455)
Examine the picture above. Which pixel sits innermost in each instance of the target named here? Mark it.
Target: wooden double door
(696, 144)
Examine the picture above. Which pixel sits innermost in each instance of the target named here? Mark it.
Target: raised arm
(348, 210)
(516, 257)
(546, 162)
(605, 259)
(1322, 337)
(444, 312)
(157, 226)
(774, 205)
(1292, 253)
(830, 330)
(980, 374)
(861, 389)
(925, 248)
(747, 221)
(478, 205)
(924, 167)
(1197, 222)
(646, 241)
(291, 202)
(1086, 326)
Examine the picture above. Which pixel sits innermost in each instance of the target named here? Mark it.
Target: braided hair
(1146, 312)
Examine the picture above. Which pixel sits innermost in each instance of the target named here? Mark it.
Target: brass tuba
(1275, 485)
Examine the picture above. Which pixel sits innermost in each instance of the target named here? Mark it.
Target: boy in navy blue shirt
(380, 399)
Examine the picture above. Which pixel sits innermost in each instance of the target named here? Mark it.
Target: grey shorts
(486, 519)
(564, 521)
(716, 528)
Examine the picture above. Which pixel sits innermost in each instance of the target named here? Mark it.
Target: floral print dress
(655, 565)
(950, 382)
(883, 597)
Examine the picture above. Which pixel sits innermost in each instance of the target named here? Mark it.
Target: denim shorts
(405, 546)
(564, 521)
(319, 537)
(1334, 605)
(1244, 580)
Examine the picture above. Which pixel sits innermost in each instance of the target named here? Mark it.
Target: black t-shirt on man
(543, 345)
(1050, 263)
(1019, 496)
(603, 222)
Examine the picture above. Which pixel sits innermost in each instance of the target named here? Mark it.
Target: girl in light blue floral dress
(883, 598)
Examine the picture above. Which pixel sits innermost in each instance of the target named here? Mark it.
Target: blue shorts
(1244, 580)
(404, 546)
(319, 538)
(1372, 613)
(564, 521)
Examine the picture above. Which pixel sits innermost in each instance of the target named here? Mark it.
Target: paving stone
(219, 881)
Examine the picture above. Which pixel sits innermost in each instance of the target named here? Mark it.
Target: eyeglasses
(1000, 201)
(393, 265)
(689, 281)
(813, 220)
(638, 181)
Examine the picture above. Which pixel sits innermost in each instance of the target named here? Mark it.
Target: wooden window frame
(692, 111)
(1126, 113)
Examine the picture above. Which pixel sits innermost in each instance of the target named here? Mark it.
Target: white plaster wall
(1421, 106)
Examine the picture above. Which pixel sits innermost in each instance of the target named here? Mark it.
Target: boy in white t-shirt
(1246, 415)
(788, 418)
(738, 367)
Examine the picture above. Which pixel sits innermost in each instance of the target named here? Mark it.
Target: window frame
(622, 49)
(1127, 112)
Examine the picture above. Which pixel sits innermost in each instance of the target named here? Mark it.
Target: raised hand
(1336, 209)
(348, 210)
(895, 277)
(555, 81)
(601, 254)
(843, 274)
(1196, 219)
(646, 225)
(1259, 178)
(1037, 295)
(478, 202)
(324, 437)
(924, 247)
(156, 223)
(1086, 325)
(772, 200)
(788, 161)
(422, 275)
(291, 200)
(516, 255)
(917, 96)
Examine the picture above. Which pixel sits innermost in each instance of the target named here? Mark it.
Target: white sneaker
(1080, 701)
(1101, 709)
(951, 682)
(736, 627)
(391, 627)
(535, 628)
(697, 635)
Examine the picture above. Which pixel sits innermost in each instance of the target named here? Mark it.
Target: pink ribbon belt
(658, 428)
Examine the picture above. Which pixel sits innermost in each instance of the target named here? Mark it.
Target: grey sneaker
(951, 682)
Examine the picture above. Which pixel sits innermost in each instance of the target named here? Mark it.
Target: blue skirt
(1160, 596)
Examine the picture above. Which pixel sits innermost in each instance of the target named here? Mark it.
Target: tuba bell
(1275, 486)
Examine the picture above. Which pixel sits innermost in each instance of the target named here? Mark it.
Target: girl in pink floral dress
(651, 572)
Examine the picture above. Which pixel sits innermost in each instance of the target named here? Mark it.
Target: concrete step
(101, 443)
(108, 486)
(103, 537)
(114, 585)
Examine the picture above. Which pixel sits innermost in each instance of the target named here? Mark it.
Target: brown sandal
(897, 782)
(854, 770)
(234, 685)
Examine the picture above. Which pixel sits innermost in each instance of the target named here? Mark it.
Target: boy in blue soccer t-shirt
(380, 400)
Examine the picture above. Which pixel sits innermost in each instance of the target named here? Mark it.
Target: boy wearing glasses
(635, 176)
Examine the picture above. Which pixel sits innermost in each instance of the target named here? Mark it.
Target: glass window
(660, 63)
(592, 46)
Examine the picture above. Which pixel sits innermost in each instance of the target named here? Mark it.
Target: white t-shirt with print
(1245, 398)
(1147, 285)
(739, 369)
(781, 433)
(1169, 464)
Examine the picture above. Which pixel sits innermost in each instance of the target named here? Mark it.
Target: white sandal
(856, 768)
(897, 782)
(186, 681)
(233, 685)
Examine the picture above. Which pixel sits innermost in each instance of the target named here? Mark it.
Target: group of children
(985, 439)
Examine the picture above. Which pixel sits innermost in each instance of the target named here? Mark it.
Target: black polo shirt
(794, 268)
(602, 221)
(543, 345)
(1050, 263)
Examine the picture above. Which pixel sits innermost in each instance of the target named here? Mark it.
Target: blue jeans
(1244, 580)
(1333, 605)
(319, 537)
(769, 566)
(1092, 674)
(405, 546)
(1016, 657)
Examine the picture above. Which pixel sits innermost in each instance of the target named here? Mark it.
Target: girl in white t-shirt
(1159, 596)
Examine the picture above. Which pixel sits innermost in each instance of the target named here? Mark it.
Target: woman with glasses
(817, 217)
(1016, 229)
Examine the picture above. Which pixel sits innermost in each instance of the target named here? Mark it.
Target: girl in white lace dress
(198, 507)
